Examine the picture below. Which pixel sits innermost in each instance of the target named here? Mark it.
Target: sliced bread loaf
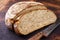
(26, 17)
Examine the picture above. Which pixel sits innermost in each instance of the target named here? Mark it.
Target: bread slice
(26, 17)
(34, 20)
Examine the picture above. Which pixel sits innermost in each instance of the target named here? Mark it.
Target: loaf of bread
(26, 17)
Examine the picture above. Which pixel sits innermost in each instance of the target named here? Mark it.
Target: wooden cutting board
(6, 34)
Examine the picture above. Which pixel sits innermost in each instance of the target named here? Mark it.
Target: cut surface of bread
(34, 20)
(26, 17)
